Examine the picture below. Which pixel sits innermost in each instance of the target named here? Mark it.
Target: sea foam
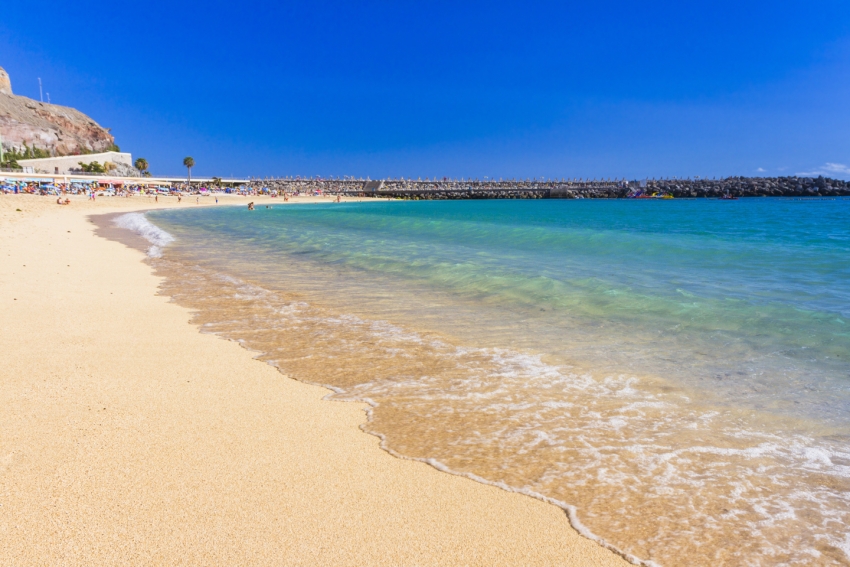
(678, 394)
(137, 223)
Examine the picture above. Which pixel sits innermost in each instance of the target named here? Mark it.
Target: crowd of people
(94, 189)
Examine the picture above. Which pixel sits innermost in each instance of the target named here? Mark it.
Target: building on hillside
(62, 165)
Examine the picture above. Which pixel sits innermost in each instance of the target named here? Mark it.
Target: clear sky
(498, 89)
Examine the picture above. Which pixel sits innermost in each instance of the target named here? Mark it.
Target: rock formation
(59, 129)
(5, 82)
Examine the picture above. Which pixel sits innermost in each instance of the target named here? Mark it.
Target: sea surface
(674, 374)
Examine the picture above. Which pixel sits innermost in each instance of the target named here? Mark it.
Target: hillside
(58, 129)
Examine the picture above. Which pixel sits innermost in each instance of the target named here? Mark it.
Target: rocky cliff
(59, 129)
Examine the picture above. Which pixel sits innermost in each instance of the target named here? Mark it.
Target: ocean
(674, 374)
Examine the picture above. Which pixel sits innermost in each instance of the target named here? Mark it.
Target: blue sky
(423, 89)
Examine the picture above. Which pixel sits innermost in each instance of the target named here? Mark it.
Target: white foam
(603, 434)
(844, 545)
(139, 224)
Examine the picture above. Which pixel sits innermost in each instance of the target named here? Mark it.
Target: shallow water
(675, 373)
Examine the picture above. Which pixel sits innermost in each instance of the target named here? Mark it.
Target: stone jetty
(449, 189)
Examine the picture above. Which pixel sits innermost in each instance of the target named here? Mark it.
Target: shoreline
(203, 454)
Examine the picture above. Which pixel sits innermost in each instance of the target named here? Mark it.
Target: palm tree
(189, 163)
(141, 164)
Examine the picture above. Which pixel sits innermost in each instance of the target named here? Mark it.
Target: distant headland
(50, 128)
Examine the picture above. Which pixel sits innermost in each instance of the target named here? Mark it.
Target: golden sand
(129, 438)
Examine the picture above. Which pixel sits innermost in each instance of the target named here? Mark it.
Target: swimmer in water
(251, 206)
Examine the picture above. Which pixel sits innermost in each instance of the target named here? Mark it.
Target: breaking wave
(137, 223)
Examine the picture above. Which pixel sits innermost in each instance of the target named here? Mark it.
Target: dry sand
(129, 438)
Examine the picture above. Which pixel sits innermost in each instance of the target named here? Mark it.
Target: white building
(61, 165)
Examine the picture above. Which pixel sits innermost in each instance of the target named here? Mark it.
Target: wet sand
(128, 437)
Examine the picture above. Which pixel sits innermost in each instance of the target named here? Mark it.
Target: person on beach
(156, 198)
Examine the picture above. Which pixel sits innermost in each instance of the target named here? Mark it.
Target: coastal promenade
(13, 176)
(130, 438)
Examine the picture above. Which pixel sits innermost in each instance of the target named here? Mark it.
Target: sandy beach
(128, 437)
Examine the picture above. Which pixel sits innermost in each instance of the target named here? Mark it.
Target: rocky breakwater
(677, 188)
(752, 187)
(449, 195)
(58, 129)
(449, 189)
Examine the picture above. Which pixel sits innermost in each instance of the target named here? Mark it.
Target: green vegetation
(189, 163)
(34, 153)
(142, 165)
(11, 157)
(93, 167)
(9, 161)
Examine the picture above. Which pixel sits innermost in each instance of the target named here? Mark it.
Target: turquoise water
(674, 373)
